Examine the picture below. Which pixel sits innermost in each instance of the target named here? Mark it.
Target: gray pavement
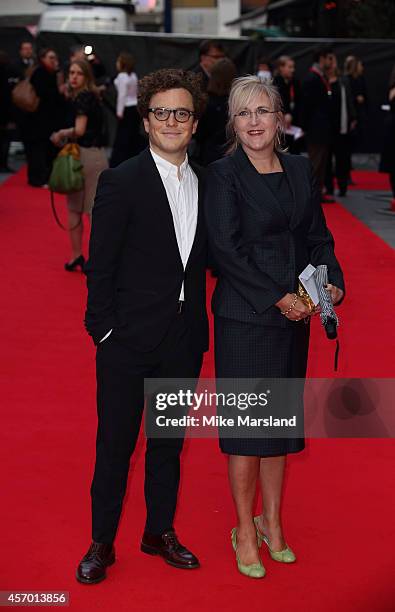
(372, 208)
(5, 175)
(16, 159)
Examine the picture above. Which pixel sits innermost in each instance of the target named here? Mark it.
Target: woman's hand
(335, 293)
(58, 138)
(293, 307)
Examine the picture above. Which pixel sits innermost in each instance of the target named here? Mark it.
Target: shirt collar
(205, 71)
(166, 168)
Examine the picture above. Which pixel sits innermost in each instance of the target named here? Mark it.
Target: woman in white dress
(128, 141)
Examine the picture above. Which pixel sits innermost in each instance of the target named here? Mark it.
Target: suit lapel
(253, 184)
(199, 233)
(296, 184)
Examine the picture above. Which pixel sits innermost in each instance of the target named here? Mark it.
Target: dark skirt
(243, 350)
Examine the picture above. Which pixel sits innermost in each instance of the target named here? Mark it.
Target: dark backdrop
(11, 38)
(160, 51)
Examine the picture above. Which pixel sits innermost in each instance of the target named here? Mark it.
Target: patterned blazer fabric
(259, 252)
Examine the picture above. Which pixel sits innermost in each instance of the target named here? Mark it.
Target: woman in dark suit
(265, 226)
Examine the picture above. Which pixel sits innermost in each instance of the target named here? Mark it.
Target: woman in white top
(128, 141)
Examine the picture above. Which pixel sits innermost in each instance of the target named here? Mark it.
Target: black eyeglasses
(180, 114)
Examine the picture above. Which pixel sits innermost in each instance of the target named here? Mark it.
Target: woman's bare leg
(75, 232)
(271, 478)
(243, 476)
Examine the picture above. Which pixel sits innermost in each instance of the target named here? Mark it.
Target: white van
(75, 17)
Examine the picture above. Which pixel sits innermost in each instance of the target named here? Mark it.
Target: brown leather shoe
(92, 567)
(168, 547)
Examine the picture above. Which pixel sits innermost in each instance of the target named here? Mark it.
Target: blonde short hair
(243, 90)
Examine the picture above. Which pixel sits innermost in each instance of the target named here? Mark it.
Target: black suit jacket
(135, 272)
(316, 112)
(258, 252)
(284, 87)
(204, 76)
(337, 104)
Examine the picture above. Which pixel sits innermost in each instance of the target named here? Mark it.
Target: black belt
(180, 307)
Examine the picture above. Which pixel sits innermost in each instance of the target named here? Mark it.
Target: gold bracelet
(285, 312)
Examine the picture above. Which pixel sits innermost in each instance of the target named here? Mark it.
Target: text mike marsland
(220, 421)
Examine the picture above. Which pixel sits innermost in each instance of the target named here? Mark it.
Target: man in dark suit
(26, 59)
(289, 88)
(317, 115)
(146, 312)
(210, 51)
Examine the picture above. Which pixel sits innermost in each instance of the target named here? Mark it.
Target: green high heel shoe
(255, 570)
(283, 556)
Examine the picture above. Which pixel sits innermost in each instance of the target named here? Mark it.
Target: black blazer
(203, 75)
(135, 272)
(316, 110)
(258, 253)
(284, 87)
(337, 104)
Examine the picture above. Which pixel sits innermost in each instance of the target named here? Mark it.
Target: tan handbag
(24, 96)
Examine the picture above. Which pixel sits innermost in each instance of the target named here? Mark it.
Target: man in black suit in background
(289, 88)
(146, 312)
(26, 59)
(317, 114)
(210, 51)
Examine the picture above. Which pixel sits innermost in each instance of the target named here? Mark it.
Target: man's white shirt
(181, 185)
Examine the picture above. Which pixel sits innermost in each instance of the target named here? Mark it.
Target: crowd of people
(329, 105)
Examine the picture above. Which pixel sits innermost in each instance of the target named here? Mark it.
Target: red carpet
(339, 497)
(370, 180)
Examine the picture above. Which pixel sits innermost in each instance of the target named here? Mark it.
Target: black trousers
(39, 156)
(5, 138)
(120, 374)
(341, 151)
(318, 155)
(128, 141)
(392, 181)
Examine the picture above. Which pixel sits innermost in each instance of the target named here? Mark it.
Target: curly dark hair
(170, 78)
